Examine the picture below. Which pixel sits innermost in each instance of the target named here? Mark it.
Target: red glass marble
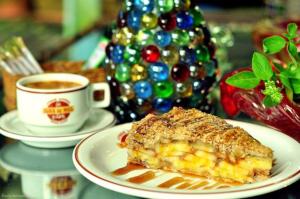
(167, 21)
(284, 117)
(150, 53)
(180, 72)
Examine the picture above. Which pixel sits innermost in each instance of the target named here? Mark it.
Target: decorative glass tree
(161, 55)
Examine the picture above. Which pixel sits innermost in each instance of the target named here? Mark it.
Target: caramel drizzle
(223, 186)
(171, 182)
(184, 185)
(181, 183)
(128, 168)
(144, 177)
(198, 185)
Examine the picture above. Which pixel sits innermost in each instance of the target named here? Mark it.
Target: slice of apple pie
(193, 142)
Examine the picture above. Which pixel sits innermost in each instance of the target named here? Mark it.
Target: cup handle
(102, 86)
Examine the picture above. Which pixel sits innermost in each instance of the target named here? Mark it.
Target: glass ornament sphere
(161, 55)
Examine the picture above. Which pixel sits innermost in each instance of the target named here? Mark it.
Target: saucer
(22, 159)
(45, 173)
(12, 127)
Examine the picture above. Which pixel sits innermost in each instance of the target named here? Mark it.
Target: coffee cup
(57, 103)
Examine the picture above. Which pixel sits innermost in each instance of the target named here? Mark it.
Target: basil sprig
(262, 70)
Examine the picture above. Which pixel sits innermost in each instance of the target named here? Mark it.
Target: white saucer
(12, 127)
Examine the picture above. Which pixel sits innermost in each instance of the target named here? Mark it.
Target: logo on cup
(62, 185)
(58, 110)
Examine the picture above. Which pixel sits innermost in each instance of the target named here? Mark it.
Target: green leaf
(292, 30)
(279, 67)
(261, 67)
(268, 102)
(285, 80)
(287, 36)
(244, 80)
(294, 71)
(296, 85)
(292, 49)
(273, 44)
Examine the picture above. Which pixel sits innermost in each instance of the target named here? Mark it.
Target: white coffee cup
(58, 110)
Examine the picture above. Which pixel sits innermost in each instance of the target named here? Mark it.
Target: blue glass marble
(117, 54)
(134, 19)
(144, 5)
(162, 105)
(143, 89)
(187, 55)
(163, 38)
(184, 20)
(159, 71)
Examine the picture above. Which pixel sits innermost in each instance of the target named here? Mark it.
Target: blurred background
(46, 24)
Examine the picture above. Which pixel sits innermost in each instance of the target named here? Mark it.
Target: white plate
(93, 191)
(98, 155)
(12, 127)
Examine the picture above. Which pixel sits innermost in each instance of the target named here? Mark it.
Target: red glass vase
(285, 117)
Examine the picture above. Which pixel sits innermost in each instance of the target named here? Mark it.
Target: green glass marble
(165, 5)
(163, 89)
(182, 4)
(197, 16)
(131, 54)
(149, 20)
(138, 72)
(145, 37)
(123, 36)
(122, 73)
(180, 37)
(202, 54)
(170, 55)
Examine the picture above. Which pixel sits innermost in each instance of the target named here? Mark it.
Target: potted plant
(268, 91)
